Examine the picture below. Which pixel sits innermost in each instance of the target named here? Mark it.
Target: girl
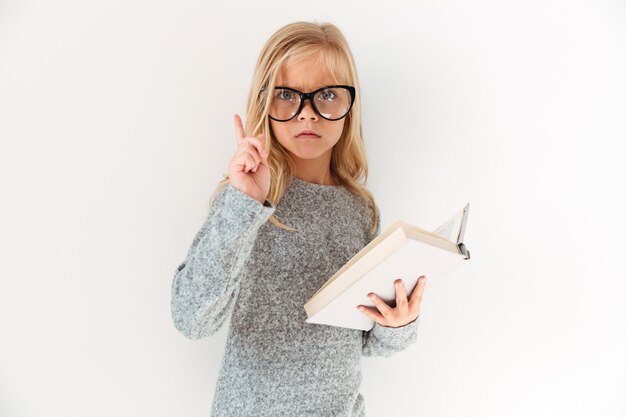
(291, 211)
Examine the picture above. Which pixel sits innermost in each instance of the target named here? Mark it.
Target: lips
(307, 134)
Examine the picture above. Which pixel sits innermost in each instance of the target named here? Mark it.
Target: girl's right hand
(248, 170)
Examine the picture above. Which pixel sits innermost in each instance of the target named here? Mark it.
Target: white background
(116, 125)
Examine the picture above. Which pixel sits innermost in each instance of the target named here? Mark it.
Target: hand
(248, 170)
(404, 312)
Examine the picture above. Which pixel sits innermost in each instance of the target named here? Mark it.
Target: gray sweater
(242, 266)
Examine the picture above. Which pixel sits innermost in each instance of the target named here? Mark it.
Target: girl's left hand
(405, 310)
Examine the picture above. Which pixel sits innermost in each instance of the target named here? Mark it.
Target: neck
(316, 171)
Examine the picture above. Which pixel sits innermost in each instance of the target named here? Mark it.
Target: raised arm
(206, 283)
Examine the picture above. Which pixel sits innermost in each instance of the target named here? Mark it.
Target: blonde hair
(292, 43)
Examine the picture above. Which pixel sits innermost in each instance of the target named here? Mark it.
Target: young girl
(291, 211)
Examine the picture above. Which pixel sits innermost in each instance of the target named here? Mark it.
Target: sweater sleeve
(206, 283)
(383, 340)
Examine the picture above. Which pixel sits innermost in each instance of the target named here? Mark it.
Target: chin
(309, 152)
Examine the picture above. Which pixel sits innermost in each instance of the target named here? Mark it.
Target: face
(309, 154)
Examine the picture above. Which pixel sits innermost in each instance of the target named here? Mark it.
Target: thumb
(261, 137)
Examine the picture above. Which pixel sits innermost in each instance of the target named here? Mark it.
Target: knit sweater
(244, 267)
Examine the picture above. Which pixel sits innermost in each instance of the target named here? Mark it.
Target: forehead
(305, 75)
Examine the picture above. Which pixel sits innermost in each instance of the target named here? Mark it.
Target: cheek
(280, 132)
(339, 130)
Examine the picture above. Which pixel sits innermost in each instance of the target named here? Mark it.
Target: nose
(307, 111)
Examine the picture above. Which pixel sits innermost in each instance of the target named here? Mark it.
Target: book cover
(401, 251)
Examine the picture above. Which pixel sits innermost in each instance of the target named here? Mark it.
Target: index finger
(239, 132)
(418, 291)
(401, 298)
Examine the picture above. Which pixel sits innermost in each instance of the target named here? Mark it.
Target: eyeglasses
(332, 102)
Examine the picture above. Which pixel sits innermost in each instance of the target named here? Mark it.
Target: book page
(453, 228)
(446, 229)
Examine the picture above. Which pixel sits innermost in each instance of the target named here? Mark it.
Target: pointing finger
(239, 132)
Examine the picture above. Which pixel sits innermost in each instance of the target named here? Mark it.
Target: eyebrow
(300, 88)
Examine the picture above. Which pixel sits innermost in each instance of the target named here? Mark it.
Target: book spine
(464, 250)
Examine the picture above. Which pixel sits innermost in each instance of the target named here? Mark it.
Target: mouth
(307, 134)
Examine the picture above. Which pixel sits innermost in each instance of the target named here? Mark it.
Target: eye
(327, 95)
(285, 95)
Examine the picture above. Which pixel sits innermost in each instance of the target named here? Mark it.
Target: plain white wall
(116, 125)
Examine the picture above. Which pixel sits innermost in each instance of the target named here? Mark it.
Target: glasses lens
(331, 102)
(285, 104)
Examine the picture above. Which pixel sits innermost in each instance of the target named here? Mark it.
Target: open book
(401, 251)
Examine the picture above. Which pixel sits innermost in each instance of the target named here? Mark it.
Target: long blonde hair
(291, 43)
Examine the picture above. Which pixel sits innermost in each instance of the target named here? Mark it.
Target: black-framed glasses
(332, 102)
